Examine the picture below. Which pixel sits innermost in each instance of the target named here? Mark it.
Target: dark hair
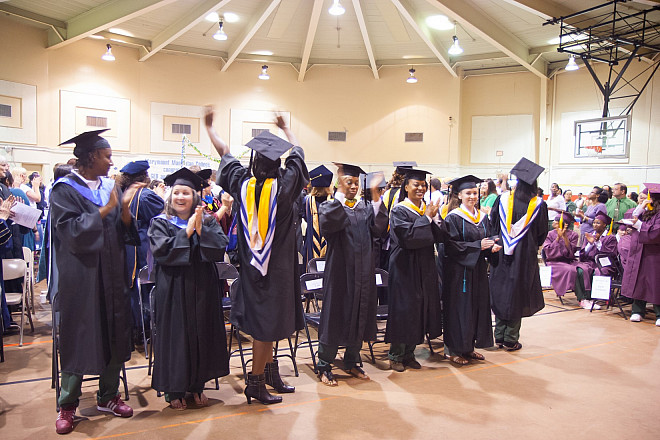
(263, 168)
(169, 211)
(603, 196)
(32, 176)
(125, 180)
(634, 196)
(623, 187)
(524, 191)
(435, 183)
(154, 183)
(539, 192)
(608, 191)
(492, 188)
(656, 207)
(453, 202)
(61, 170)
(396, 180)
(10, 179)
(402, 193)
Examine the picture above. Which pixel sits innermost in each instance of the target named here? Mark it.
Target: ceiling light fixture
(572, 65)
(220, 34)
(439, 22)
(412, 79)
(455, 48)
(108, 56)
(336, 8)
(264, 72)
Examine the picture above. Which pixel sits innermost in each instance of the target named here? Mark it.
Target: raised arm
(220, 146)
(279, 121)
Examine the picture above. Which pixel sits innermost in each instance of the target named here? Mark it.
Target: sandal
(477, 356)
(327, 378)
(458, 360)
(178, 404)
(201, 399)
(359, 373)
(512, 346)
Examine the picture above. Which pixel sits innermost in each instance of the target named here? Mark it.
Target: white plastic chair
(13, 268)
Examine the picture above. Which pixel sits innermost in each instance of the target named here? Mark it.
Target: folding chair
(28, 256)
(242, 351)
(144, 277)
(615, 283)
(316, 265)
(14, 268)
(311, 286)
(55, 372)
(226, 272)
(382, 311)
(544, 258)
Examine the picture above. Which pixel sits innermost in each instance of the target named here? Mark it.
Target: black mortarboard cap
(205, 174)
(412, 173)
(527, 171)
(653, 188)
(321, 177)
(88, 141)
(269, 145)
(375, 176)
(135, 167)
(405, 164)
(184, 177)
(349, 170)
(460, 183)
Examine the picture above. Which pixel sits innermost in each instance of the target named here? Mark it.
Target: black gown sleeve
(465, 250)
(415, 234)
(212, 243)
(170, 245)
(81, 230)
(332, 217)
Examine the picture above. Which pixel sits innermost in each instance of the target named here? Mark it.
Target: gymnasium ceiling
(497, 36)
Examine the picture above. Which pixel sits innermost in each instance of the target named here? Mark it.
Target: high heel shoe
(272, 373)
(256, 388)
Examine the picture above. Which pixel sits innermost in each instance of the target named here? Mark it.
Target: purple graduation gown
(641, 277)
(561, 258)
(588, 258)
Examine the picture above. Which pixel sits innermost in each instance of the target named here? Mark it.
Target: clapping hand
(432, 209)
(5, 207)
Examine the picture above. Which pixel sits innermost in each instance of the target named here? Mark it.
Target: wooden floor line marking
(350, 393)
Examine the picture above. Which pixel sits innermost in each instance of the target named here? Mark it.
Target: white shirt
(557, 202)
(25, 187)
(93, 184)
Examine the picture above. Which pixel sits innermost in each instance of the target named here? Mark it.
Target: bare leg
(262, 352)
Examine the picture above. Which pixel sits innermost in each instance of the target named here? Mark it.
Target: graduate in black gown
(348, 316)
(414, 291)
(191, 345)
(465, 295)
(91, 223)
(267, 303)
(520, 218)
(315, 244)
(144, 206)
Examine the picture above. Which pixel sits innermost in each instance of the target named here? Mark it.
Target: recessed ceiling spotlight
(230, 17)
(439, 22)
(119, 31)
(213, 17)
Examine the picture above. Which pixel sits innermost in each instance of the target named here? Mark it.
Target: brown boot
(272, 373)
(256, 387)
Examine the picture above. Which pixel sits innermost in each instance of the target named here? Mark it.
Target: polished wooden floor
(580, 375)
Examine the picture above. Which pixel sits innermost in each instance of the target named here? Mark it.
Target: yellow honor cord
(561, 222)
(611, 227)
(263, 213)
(509, 212)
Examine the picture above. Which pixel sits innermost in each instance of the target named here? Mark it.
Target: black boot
(272, 373)
(256, 387)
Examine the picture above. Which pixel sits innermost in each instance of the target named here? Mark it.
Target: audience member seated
(601, 243)
(559, 248)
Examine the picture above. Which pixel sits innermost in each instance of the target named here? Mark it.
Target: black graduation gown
(92, 293)
(145, 205)
(515, 284)
(306, 213)
(269, 308)
(465, 296)
(348, 316)
(414, 293)
(191, 344)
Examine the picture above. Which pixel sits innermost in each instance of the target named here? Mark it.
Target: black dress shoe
(412, 363)
(256, 388)
(272, 373)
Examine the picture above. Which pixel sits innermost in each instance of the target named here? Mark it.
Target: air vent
(181, 128)
(97, 121)
(337, 136)
(5, 111)
(414, 137)
(257, 131)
